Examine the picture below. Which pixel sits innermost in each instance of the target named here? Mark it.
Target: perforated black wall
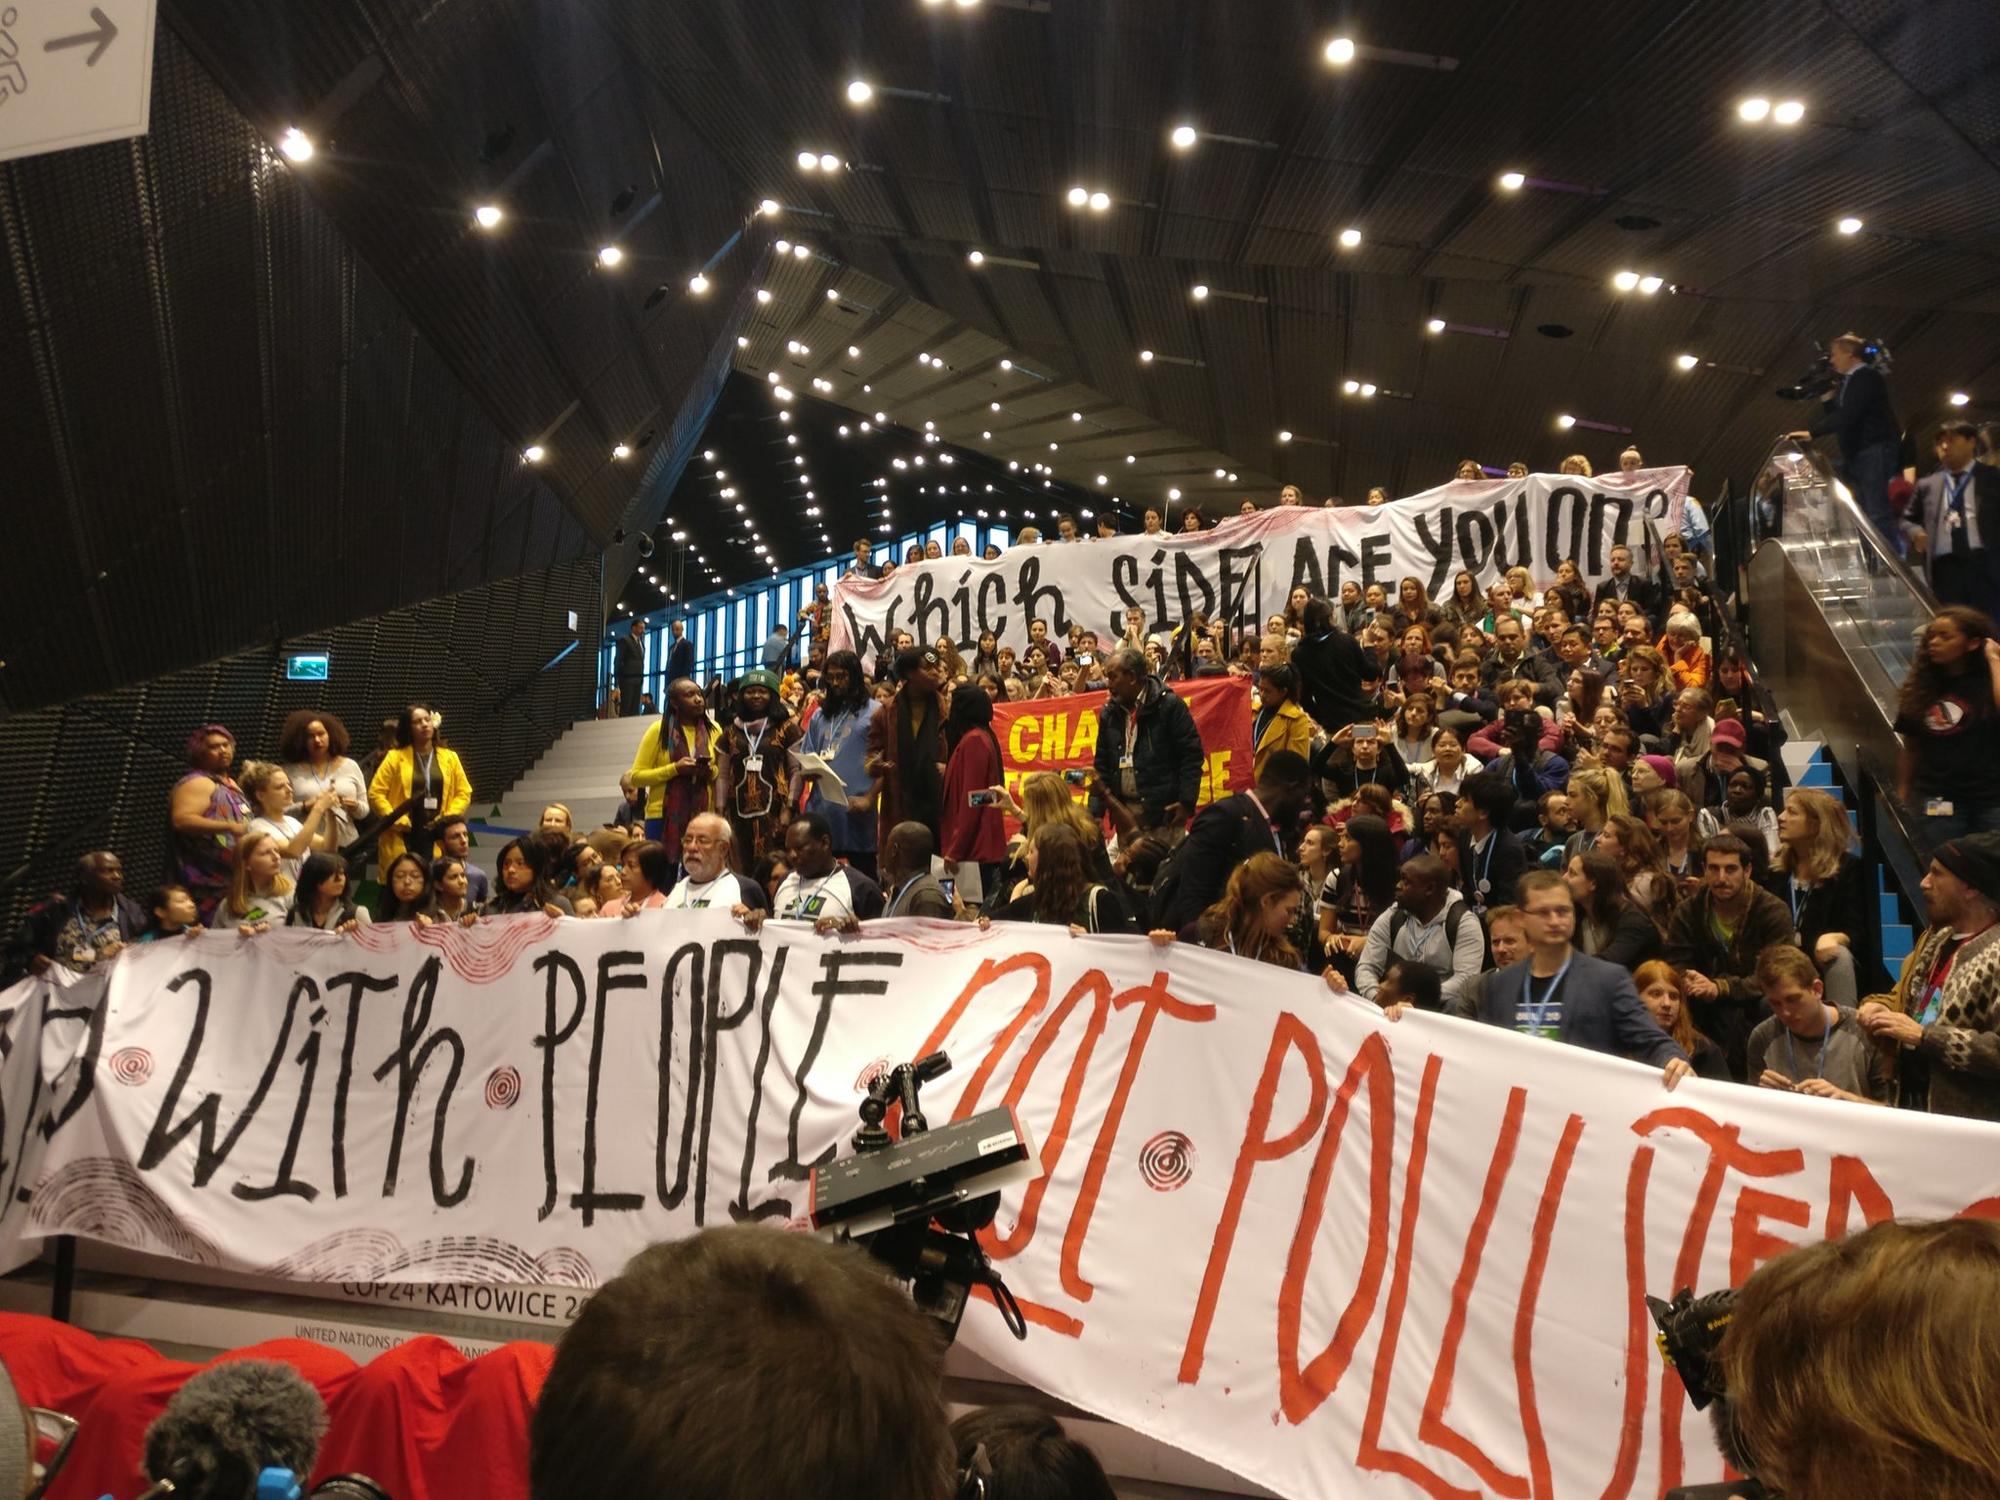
(96, 772)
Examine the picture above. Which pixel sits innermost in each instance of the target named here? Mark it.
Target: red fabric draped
(421, 1419)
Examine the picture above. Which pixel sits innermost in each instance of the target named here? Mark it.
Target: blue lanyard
(1825, 1046)
(1486, 865)
(1538, 1014)
(1798, 901)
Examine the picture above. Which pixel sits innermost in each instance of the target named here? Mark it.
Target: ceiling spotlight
(1076, 416)
(1173, 494)
(1687, 361)
(487, 216)
(881, 418)
(1790, 112)
(993, 406)
(621, 451)
(1513, 182)
(1200, 292)
(1349, 238)
(1625, 280)
(1145, 356)
(1099, 201)
(763, 294)
(1435, 325)
(1352, 387)
(534, 453)
(783, 247)
(854, 351)
(1078, 196)
(1285, 435)
(800, 252)
(772, 376)
(808, 161)
(1103, 479)
(742, 342)
(1340, 51)
(295, 143)
(610, 255)
(1650, 284)
(1184, 137)
(1131, 458)
(828, 162)
(859, 92)
(1753, 109)
(977, 257)
(1849, 225)
(768, 207)
(1960, 398)
(832, 295)
(698, 284)
(1367, 388)
(708, 455)
(1565, 421)
(1220, 472)
(1005, 364)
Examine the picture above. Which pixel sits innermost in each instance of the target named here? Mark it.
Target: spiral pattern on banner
(1167, 1161)
(131, 1066)
(503, 1088)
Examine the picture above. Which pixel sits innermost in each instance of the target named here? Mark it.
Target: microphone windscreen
(232, 1421)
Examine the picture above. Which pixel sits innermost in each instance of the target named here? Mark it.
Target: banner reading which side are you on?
(1334, 1254)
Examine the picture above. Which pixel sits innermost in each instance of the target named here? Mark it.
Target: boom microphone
(230, 1423)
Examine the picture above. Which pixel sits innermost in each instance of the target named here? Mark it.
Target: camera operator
(741, 1364)
(1859, 414)
(1862, 1368)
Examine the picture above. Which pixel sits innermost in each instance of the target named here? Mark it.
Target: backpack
(1164, 892)
(1454, 920)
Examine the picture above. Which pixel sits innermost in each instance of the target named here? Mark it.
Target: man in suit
(1567, 996)
(680, 652)
(630, 668)
(1957, 516)
(1484, 814)
(1859, 414)
(1231, 829)
(913, 891)
(1623, 584)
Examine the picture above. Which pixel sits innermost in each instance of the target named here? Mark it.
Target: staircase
(580, 770)
(1809, 764)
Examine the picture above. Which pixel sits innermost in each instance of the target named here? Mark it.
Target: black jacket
(680, 659)
(1840, 905)
(1500, 866)
(1222, 836)
(1641, 591)
(1167, 754)
(1535, 667)
(631, 660)
(1632, 940)
(1334, 673)
(1859, 414)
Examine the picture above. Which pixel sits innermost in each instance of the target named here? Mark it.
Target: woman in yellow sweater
(421, 767)
(681, 765)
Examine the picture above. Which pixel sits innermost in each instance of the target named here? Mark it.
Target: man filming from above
(1859, 414)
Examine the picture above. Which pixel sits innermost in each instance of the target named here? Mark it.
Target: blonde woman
(1595, 795)
(269, 788)
(1046, 798)
(1816, 874)
(260, 892)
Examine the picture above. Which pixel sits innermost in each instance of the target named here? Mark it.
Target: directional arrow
(102, 37)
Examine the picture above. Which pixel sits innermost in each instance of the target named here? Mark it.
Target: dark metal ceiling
(660, 126)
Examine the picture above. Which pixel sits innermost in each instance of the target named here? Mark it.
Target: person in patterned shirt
(757, 746)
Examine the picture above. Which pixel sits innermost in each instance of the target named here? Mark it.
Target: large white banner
(1244, 569)
(1329, 1252)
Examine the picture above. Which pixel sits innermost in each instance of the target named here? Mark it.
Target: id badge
(1937, 807)
(431, 804)
(1125, 758)
(754, 764)
(84, 955)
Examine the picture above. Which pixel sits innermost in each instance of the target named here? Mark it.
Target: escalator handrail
(1836, 488)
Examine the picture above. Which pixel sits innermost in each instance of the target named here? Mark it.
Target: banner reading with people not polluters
(1244, 569)
(1327, 1251)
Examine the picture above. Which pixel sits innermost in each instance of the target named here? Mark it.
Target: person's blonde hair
(257, 774)
(241, 896)
(1576, 463)
(1868, 1367)
(1045, 798)
(1604, 788)
(1818, 859)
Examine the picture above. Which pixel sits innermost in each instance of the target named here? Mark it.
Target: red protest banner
(1060, 734)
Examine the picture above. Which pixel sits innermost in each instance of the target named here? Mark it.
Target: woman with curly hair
(313, 747)
(1947, 715)
(1060, 891)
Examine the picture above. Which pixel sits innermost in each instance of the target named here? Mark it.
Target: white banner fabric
(1332, 1253)
(1245, 568)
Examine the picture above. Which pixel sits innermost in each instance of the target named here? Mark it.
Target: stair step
(1891, 907)
(1817, 774)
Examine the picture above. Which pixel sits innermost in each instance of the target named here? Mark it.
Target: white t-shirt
(283, 828)
(829, 895)
(724, 891)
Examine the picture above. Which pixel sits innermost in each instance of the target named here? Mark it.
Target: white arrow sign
(73, 72)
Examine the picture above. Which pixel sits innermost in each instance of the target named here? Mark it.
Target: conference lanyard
(1825, 1046)
(428, 764)
(1956, 519)
(1934, 982)
(1486, 864)
(805, 898)
(1538, 1014)
(1800, 895)
(1276, 842)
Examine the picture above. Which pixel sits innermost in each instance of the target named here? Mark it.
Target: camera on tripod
(916, 1200)
(1690, 1333)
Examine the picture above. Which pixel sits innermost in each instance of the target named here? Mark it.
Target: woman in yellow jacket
(419, 766)
(680, 765)
(1280, 723)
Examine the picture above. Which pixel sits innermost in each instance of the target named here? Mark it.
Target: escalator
(1834, 617)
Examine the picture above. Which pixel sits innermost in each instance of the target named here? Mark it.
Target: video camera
(1820, 377)
(1690, 1332)
(916, 1202)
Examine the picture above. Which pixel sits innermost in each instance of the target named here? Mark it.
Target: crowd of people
(1535, 803)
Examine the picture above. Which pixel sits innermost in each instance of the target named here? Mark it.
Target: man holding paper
(830, 756)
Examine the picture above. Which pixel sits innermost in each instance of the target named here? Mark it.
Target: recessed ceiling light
(1099, 201)
(1220, 472)
(296, 144)
(859, 92)
(1849, 225)
(1687, 361)
(1200, 292)
(808, 161)
(1513, 182)
(698, 284)
(1340, 51)
(828, 162)
(534, 453)
(768, 207)
(1565, 421)
(977, 257)
(1352, 387)
(742, 342)
(1625, 280)
(1173, 494)
(1184, 137)
(621, 451)
(1285, 435)
(1006, 364)
(1649, 285)
(800, 252)
(610, 255)
(488, 216)
(763, 294)
(1349, 238)
(1790, 112)
(1960, 398)
(1145, 356)
(1435, 325)
(1078, 196)
(1753, 109)
(853, 351)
